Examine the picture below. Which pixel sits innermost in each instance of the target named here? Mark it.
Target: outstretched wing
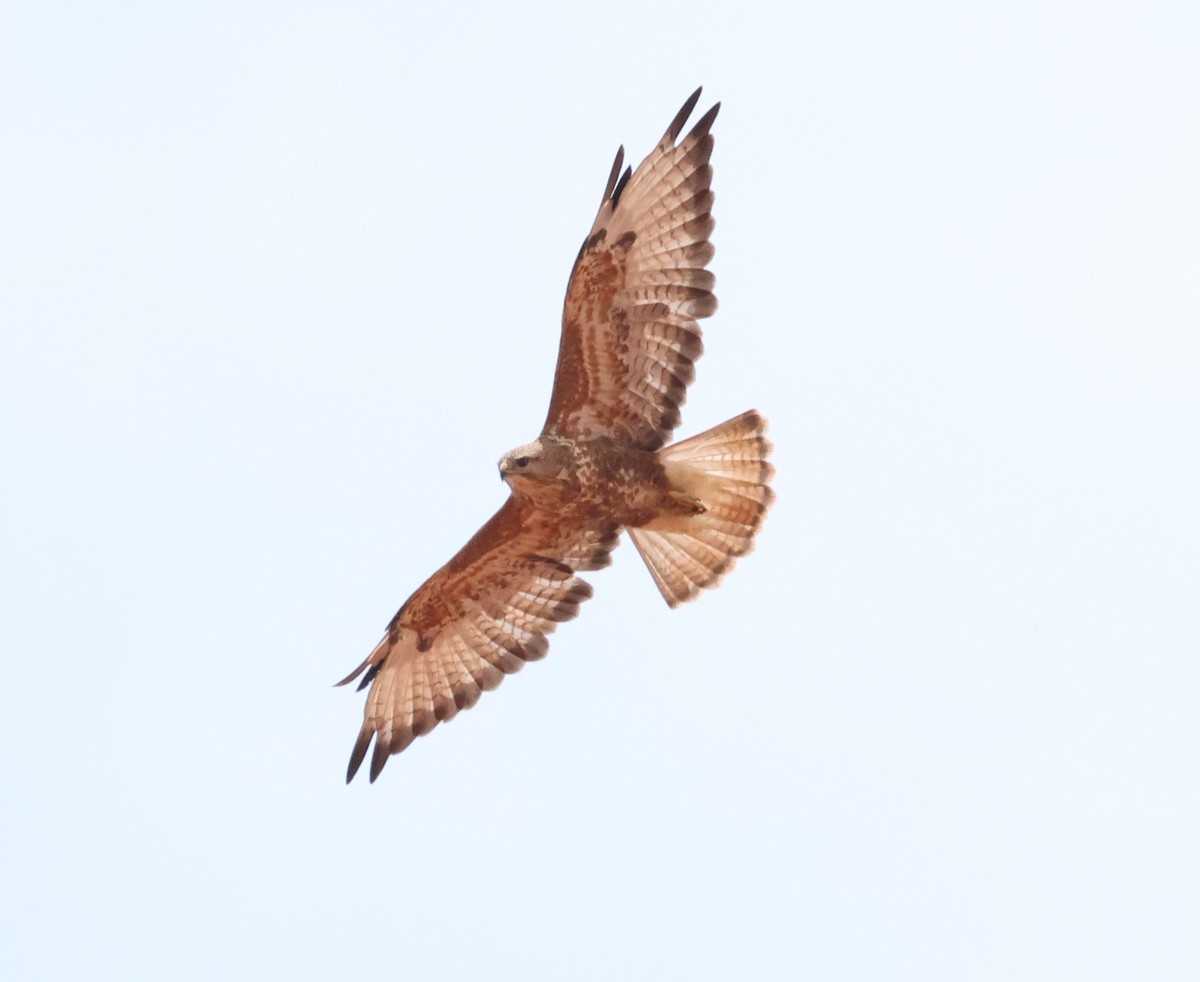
(480, 617)
(629, 335)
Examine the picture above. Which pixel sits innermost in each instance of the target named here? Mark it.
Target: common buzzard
(627, 354)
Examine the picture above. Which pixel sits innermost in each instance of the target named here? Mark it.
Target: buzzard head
(536, 468)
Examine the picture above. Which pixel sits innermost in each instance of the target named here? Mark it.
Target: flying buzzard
(629, 344)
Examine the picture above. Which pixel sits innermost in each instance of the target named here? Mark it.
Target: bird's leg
(687, 503)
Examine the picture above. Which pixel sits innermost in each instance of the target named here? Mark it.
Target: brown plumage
(627, 354)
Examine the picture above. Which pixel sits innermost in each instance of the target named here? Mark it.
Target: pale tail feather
(725, 469)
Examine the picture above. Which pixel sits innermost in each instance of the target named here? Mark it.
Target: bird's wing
(629, 334)
(481, 616)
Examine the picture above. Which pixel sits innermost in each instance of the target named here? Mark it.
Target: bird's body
(600, 466)
(595, 480)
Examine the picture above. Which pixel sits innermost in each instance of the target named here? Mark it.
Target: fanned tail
(720, 477)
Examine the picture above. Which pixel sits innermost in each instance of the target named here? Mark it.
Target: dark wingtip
(379, 757)
(676, 126)
(358, 753)
(616, 195)
(704, 124)
(368, 678)
(613, 175)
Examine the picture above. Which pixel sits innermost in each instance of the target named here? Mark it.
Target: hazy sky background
(279, 283)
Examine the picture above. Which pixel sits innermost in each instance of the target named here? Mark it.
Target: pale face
(523, 461)
(534, 466)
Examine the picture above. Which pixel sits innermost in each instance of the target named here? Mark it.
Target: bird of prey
(629, 343)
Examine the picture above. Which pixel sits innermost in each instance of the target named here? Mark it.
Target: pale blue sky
(278, 285)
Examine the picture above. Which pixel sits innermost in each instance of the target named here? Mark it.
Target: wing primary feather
(379, 757)
(359, 752)
(356, 673)
(676, 126)
(616, 196)
(613, 175)
(369, 677)
(704, 123)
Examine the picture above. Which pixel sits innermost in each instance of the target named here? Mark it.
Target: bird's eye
(521, 461)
